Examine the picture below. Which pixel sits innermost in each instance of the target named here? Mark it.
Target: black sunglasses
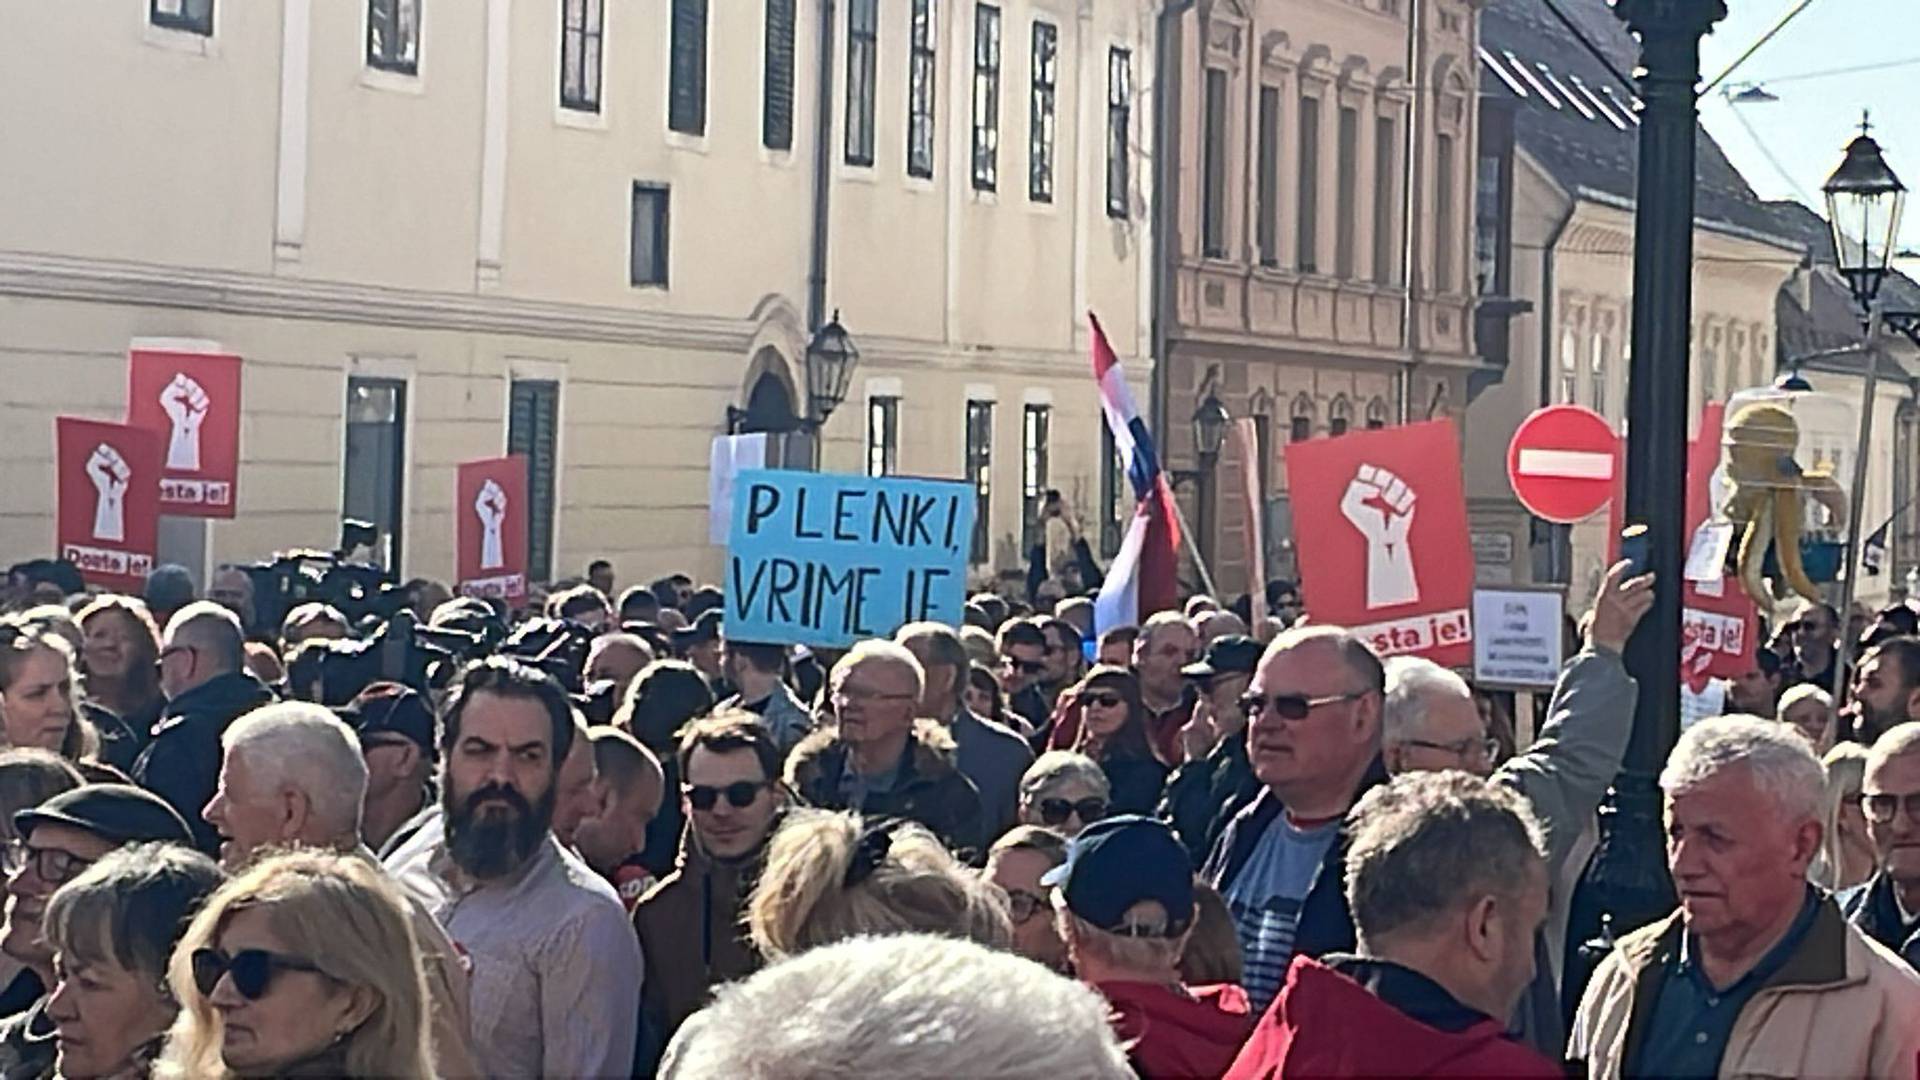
(1105, 701)
(1026, 667)
(740, 794)
(252, 970)
(1057, 811)
(1290, 706)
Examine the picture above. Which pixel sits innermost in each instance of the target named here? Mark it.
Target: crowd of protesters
(1221, 843)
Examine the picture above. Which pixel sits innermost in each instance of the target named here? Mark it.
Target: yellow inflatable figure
(1765, 502)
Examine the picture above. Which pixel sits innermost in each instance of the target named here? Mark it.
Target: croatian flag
(1144, 576)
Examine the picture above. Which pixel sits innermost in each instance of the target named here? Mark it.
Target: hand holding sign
(109, 473)
(1381, 506)
(185, 403)
(491, 506)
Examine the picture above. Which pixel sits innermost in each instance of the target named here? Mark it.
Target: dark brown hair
(728, 731)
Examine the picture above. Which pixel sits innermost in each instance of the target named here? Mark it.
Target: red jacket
(1326, 1024)
(1179, 1035)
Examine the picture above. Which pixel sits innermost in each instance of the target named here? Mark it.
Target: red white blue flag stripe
(1144, 577)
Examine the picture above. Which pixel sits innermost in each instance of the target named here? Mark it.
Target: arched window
(1300, 427)
(1339, 415)
(1376, 414)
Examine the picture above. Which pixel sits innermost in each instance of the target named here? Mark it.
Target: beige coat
(1842, 1005)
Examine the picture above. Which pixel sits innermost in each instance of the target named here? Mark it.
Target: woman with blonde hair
(305, 965)
(830, 875)
(1846, 858)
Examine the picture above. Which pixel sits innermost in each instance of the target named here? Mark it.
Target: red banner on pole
(1246, 444)
(192, 401)
(491, 526)
(1380, 524)
(107, 488)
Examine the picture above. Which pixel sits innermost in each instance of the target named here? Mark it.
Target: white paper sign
(1516, 637)
(731, 454)
(1707, 558)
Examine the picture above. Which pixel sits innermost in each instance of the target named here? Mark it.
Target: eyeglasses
(252, 970)
(1057, 811)
(1459, 748)
(1025, 667)
(172, 650)
(1290, 706)
(1881, 807)
(1105, 701)
(55, 867)
(740, 794)
(848, 695)
(1023, 905)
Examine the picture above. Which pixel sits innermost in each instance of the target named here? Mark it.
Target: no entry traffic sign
(1561, 462)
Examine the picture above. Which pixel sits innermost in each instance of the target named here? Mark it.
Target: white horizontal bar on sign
(1566, 464)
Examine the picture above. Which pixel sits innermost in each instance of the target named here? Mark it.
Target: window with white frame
(1119, 122)
(1040, 119)
(883, 435)
(1569, 367)
(986, 97)
(1035, 451)
(863, 48)
(192, 16)
(1602, 348)
(581, 33)
(980, 474)
(922, 77)
(393, 36)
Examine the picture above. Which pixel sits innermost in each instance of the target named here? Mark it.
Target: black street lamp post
(1210, 422)
(1627, 881)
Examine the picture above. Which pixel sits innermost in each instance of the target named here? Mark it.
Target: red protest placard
(1380, 525)
(107, 490)
(192, 400)
(1719, 625)
(490, 527)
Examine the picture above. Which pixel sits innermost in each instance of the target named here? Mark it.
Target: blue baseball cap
(1118, 862)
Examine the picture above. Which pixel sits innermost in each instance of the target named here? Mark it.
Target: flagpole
(1186, 537)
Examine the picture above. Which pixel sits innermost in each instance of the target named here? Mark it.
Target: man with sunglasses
(1888, 909)
(1313, 737)
(57, 840)
(1216, 780)
(692, 924)
(1023, 665)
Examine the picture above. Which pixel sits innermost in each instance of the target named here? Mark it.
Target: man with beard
(1886, 689)
(556, 968)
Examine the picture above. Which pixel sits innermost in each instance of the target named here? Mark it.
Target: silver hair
(305, 747)
(1802, 692)
(887, 652)
(904, 1005)
(1897, 741)
(1057, 767)
(1779, 759)
(1412, 682)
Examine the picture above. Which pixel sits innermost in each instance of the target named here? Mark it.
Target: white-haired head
(876, 651)
(1414, 684)
(904, 1005)
(1779, 760)
(295, 745)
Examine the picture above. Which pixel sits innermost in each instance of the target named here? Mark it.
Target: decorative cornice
(63, 277)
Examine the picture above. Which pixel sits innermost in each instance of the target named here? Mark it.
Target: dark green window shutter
(533, 429)
(687, 92)
(776, 109)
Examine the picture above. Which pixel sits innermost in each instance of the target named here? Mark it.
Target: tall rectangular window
(776, 91)
(649, 254)
(923, 75)
(1040, 120)
(1443, 214)
(1213, 192)
(1267, 177)
(533, 429)
(1036, 433)
(1116, 493)
(1569, 366)
(581, 32)
(1305, 255)
(863, 32)
(375, 465)
(986, 97)
(1119, 125)
(193, 16)
(393, 35)
(980, 473)
(687, 68)
(1601, 347)
(883, 436)
(1347, 173)
(1386, 238)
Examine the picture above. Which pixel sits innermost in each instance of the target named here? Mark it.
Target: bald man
(628, 786)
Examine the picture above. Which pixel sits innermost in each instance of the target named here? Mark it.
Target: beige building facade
(581, 229)
(1298, 295)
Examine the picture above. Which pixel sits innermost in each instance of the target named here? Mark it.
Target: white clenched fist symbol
(186, 405)
(1380, 505)
(110, 474)
(491, 507)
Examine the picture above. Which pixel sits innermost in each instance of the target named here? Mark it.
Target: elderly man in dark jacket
(879, 760)
(1889, 786)
(203, 674)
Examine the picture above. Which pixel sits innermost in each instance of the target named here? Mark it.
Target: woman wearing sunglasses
(112, 929)
(1113, 732)
(1064, 791)
(305, 965)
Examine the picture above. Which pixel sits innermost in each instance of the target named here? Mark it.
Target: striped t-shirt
(1266, 896)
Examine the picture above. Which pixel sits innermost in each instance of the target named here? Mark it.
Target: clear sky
(1807, 130)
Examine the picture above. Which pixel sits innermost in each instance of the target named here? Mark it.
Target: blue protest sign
(828, 559)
